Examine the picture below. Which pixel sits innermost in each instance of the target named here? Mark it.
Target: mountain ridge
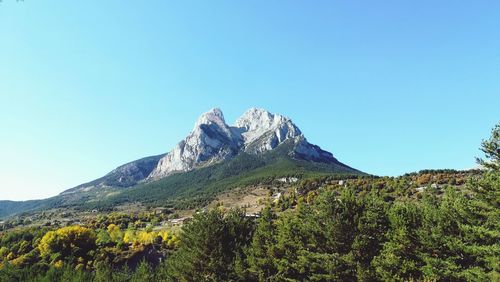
(214, 157)
(212, 141)
(125, 175)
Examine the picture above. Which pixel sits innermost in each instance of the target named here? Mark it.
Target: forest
(365, 229)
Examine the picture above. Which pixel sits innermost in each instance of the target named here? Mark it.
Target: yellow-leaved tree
(115, 233)
(69, 244)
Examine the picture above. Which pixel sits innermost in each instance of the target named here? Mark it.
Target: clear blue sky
(387, 86)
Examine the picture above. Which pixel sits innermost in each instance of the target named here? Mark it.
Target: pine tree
(209, 246)
(399, 259)
(143, 273)
(491, 149)
(371, 229)
(260, 256)
(439, 236)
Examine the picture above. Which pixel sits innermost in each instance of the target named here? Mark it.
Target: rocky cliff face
(255, 132)
(262, 131)
(211, 140)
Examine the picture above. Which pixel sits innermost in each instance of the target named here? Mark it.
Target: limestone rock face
(255, 132)
(262, 131)
(211, 140)
(307, 151)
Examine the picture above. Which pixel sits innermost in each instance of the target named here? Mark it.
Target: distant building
(288, 179)
(252, 215)
(179, 221)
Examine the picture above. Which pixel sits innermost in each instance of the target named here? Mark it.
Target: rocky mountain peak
(257, 119)
(263, 131)
(212, 140)
(214, 116)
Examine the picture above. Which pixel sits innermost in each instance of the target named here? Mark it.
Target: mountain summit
(210, 141)
(257, 139)
(255, 132)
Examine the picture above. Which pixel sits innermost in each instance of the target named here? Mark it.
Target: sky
(388, 87)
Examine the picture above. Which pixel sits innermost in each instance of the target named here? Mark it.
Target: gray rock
(211, 141)
(255, 132)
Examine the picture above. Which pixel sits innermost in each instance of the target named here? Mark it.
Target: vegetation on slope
(198, 187)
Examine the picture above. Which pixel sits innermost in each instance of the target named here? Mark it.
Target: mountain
(212, 141)
(256, 132)
(214, 157)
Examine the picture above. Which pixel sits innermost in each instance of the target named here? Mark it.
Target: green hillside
(196, 188)
(9, 207)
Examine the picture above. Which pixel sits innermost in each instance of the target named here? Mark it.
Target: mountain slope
(198, 187)
(123, 176)
(11, 207)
